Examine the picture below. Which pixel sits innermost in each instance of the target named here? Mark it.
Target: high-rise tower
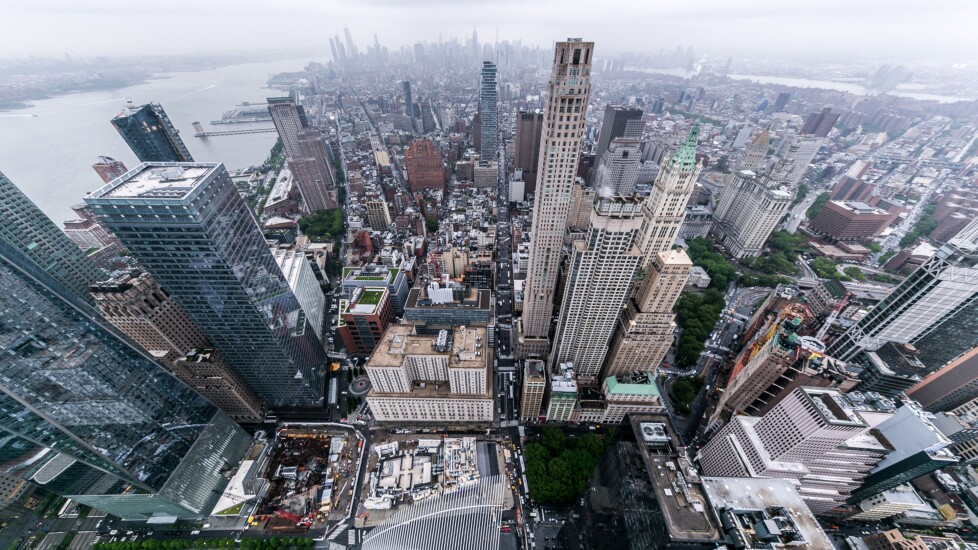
(560, 150)
(150, 134)
(108, 168)
(750, 207)
(618, 168)
(488, 107)
(305, 151)
(87, 416)
(665, 208)
(26, 228)
(619, 122)
(188, 226)
(529, 127)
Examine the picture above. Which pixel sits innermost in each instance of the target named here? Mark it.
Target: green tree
(817, 206)
(553, 439)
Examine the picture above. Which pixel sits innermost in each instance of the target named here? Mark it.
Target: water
(50, 156)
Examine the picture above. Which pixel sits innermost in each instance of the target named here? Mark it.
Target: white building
(617, 169)
(888, 503)
(295, 266)
(749, 209)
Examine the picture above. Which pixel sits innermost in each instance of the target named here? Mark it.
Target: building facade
(424, 166)
(364, 318)
(108, 168)
(150, 134)
(529, 128)
(748, 211)
(534, 390)
(618, 167)
(488, 107)
(305, 152)
(619, 122)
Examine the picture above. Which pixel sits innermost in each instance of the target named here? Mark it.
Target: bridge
(201, 133)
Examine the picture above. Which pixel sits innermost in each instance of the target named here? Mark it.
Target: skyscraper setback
(150, 134)
(488, 109)
(560, 150)
(189, 227)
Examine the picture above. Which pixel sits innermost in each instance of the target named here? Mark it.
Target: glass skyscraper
(150, 134)
(28, 230)
(488, 109)
(86, 415)
(187, 226)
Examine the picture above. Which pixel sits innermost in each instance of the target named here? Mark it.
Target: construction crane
(831, 318)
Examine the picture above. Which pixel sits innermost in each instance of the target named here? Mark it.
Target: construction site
(311, 473)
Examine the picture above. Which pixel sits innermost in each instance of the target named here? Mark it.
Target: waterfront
(50, 156)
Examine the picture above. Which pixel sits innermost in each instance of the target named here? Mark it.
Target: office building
(631, 500)
(108, 168)
(666, 206)
(27, 229)
(305, 285)
(440, 378)
(488, 107)
(697, 223)
(820, 124)
(599, 278)
(617, 170)
(91, 418)
(888, 504)
(486, 175)
(826, 295)
(646, 327)
(619, 121)
(934, 308)
(582, 204)
(424, 166)
(890, 370)
(187, 225)
(564, 122)
(363, 319)
(378, 214)
(850, 221)
(434, 307)
(797, 151)
(373, 275)
(562, 401)
(782, 101)
(529, 128)
(748, 211)
(633, 394)
(852, 189)
(894, 540)
(534, 390)
(90, 235)
(136, 305)
(951, 386)
(305, 152)
(150, 134)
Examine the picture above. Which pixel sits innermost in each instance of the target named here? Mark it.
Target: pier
(201, 133)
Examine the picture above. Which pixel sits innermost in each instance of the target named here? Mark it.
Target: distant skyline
(895, 31)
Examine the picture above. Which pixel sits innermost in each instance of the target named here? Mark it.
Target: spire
(686, 156)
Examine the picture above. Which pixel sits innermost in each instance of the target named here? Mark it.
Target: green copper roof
(687, 153)
(618, 388)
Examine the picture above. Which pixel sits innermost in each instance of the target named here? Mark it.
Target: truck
(334, 388)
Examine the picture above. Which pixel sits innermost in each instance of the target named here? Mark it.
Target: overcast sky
(873, 29)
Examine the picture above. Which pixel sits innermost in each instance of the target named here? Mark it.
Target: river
(50, 156)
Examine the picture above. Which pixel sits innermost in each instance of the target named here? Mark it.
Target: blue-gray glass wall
(186, 224)
(85, 415)
(150, 134)
(26, 228)
(488, 109)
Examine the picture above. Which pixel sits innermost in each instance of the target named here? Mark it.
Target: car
(195, 532)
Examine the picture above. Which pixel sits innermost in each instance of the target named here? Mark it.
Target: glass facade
(150, 134)
(86, 415)
(187, 226)
(36, 236)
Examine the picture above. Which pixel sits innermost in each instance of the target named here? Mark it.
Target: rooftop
(157, 180)
(469, 349)
(623, 388)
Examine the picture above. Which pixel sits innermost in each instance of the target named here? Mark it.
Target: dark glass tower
(28, 230)
(187, 226)
(86, 415)
(150, 134)
(619, 121)
(488, 111)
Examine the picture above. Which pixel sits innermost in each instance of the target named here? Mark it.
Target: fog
(884, 30)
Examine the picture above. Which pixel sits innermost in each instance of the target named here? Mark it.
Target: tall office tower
(534, 389)
(815, 436)
(799, 151)
(934, 308)
(560, 150)
(332, 48)
(305, 151)
(599, 277)
(302, 280)
(188, 226)
(340, 48)
(755, 152)
(749, 209)
(35, 235)
(953, 385)
(619, 122)
(408, 101)
(488, 109)
(647, 325)
(782, 101)
(424, 166)
(108, 168)
(618, 169)
(820, 124)
(137, 306)
(88, 232)
(350, 46)
(91, 418)
(529, 127)
(665, 208)
(378, 214)
(150, 134)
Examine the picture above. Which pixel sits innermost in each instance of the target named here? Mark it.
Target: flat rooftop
(366, 301)
(157, 180)
(468, 347)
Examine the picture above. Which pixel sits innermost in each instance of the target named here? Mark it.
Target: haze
(828, 29)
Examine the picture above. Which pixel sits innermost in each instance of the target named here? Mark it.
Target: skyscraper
(378, 214)
(108, 168)
(488, 107)
(560, 148)
(189, 227)
(598, 280)
(534, 389)
(749, 209)
(408, 101)
(618, 169)
(138, 307)
(665, 208)
(93, 419)
(350, 46)
(951, 386)
(305, 151)
(529, 127)
(26, 228)
(820, 124)
(934, 308)
(150, 134)
(619, 122)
